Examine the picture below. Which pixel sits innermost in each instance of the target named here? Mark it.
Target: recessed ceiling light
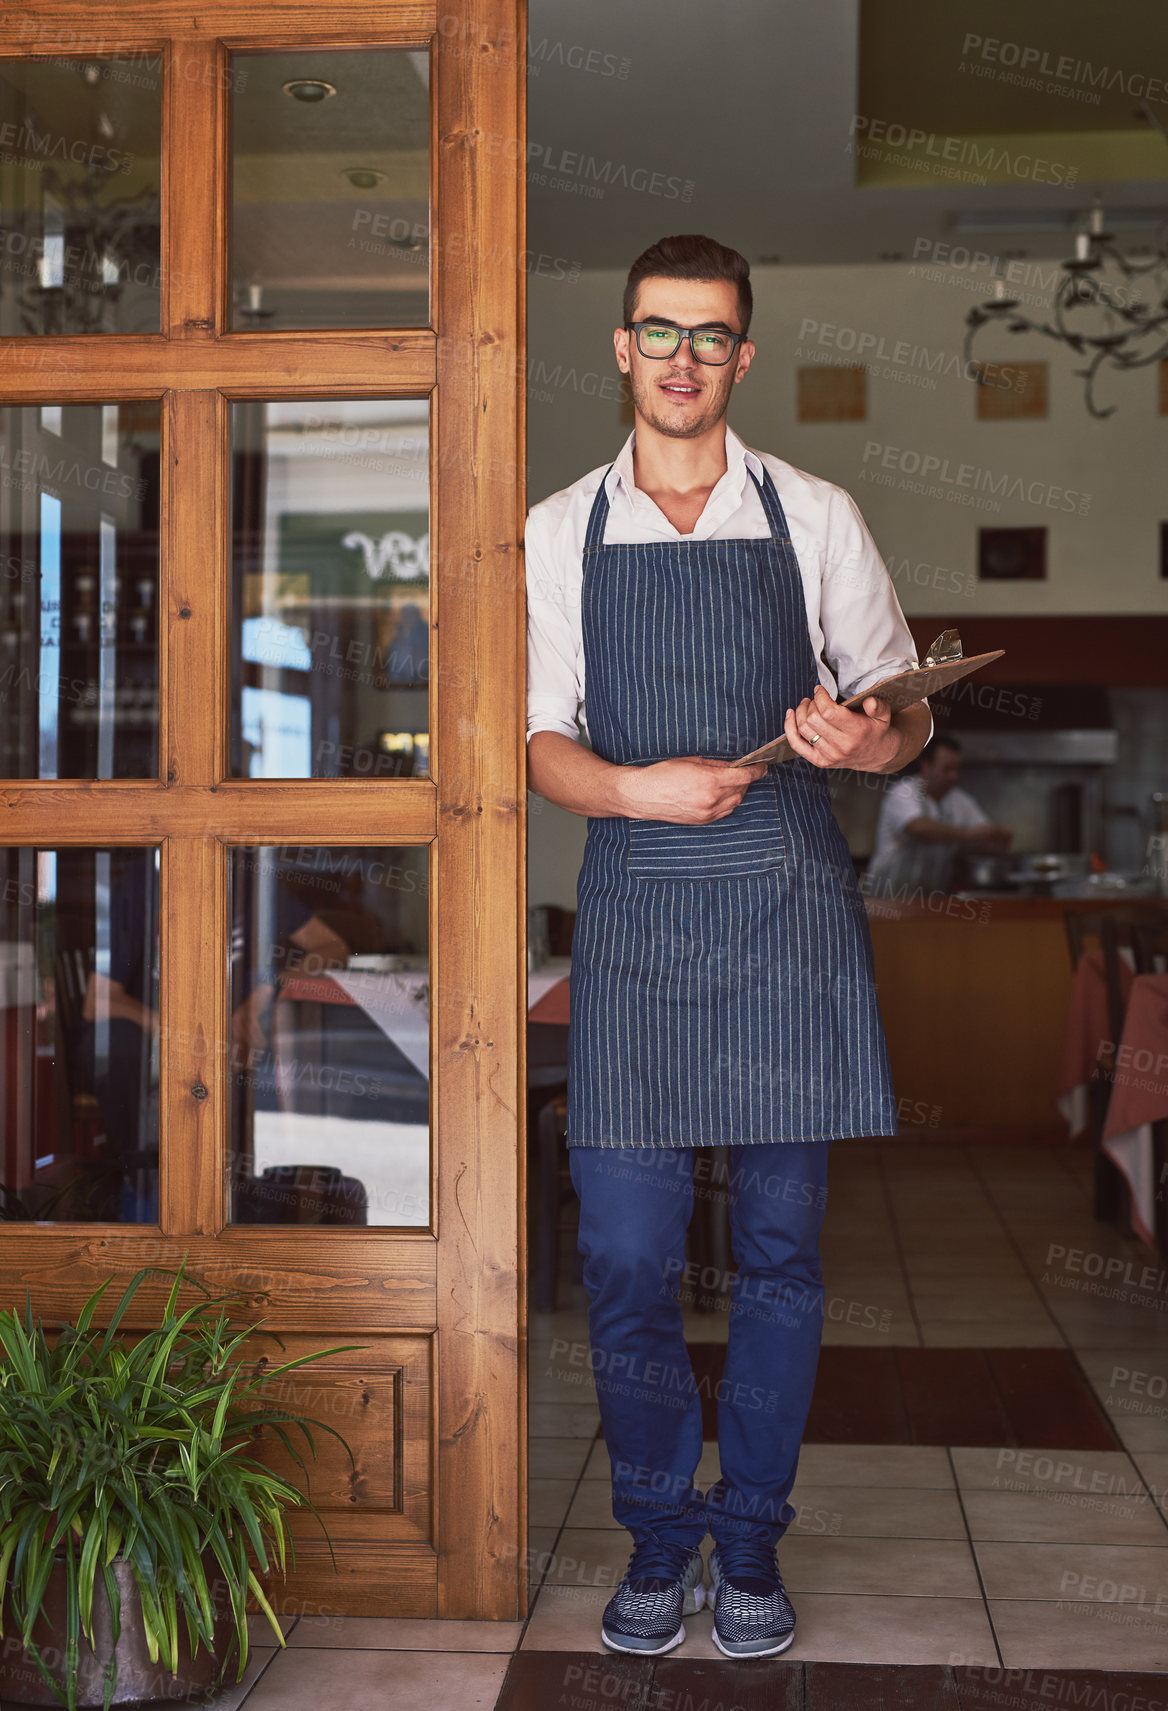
(310, 89)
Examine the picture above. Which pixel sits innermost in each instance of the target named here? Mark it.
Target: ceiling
(739, 119)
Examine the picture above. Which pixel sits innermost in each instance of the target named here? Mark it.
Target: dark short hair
(690, 256)
(940, 740)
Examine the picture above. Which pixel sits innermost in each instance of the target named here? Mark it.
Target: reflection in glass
(330, 1047)
(78, 1046)
(79, 188)
(330, 187)
(79, 590)
(331, 589)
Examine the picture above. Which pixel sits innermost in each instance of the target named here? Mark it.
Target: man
(721, 964)
(924, 822)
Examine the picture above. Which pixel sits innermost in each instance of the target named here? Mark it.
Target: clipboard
(944, 664)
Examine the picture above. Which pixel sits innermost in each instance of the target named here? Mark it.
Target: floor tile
(888, 1329)
(599, 1467)
(588, 1557)
(444, 1681)
(1089, 1573)
(1014, 1331)
(961, 1298)
(857, 1628)
(541, 1544)
(923, 1568)
(548, 1500)
(866, 1511)
(919, 1465)
(1068, 1635)
(559, 1386)
(235, 1692)
(705, 1327)
(562, 1420)
(592, 1506)
(557, 1458)
(1146, 1433)
(1059, 1517)
(403, 1634)
(1153, 1468)
(1099, 1473)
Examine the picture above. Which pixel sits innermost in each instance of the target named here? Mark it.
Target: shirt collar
(739, 459)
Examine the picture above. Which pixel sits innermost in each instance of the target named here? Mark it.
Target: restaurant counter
(973, 990)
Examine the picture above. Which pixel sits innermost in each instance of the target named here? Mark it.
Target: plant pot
(139, 1680)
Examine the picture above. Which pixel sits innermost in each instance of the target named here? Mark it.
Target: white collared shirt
(858, 633)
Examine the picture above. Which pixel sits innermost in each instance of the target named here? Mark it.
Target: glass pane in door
(79, 1035)
(331, 189)
(331, 589)
(79, 590)
(330, 1035)
(80, 176)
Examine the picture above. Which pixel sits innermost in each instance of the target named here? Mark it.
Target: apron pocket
(750, 840)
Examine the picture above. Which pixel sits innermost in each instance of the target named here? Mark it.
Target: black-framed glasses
(710, 345)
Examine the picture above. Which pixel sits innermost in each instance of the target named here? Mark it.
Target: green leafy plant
(136, 1449)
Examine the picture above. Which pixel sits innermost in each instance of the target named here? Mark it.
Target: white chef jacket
(899, 859)
(858, 633)
(908, 799)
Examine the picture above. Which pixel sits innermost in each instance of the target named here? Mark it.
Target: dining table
(1135, 1066)
(397, 1000)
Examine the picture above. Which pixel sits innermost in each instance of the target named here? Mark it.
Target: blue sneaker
(753, 1617)
(663, 1582)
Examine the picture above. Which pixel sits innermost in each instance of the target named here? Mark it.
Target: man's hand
(868, 740)
(989, 837)
(690, 791)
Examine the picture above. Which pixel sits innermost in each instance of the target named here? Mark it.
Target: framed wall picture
(1011, 555)
(831, 394)
(1012, 392)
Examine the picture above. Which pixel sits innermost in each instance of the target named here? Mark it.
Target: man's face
(941, 772)
(678, 395)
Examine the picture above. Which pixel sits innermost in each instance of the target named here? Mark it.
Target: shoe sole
(642, 1651)
(759, 1652)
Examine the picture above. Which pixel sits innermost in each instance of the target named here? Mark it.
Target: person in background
(924, 822)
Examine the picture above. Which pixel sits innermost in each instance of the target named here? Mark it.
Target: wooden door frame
(463, 1282)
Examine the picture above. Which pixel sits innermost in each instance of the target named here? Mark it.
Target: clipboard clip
(946, 647)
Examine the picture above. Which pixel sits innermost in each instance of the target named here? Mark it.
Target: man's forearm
(912, 725)
(574, 778)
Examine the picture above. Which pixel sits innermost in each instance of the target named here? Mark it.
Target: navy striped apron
(722, 985)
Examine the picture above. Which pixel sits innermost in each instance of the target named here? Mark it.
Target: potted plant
(134, 1516)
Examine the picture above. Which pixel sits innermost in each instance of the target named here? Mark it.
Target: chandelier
(1109, 308)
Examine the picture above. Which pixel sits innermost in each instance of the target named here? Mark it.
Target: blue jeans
(635, 1208)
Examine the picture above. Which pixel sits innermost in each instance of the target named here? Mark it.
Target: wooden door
(238, 406)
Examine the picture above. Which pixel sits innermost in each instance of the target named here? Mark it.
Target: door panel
(431, 1520)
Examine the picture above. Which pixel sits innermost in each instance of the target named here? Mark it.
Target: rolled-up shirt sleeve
(865, 636)
(555, 690)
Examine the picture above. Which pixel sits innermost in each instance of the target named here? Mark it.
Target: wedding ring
(812, 738)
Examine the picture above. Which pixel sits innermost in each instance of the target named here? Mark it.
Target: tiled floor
(979, 1559)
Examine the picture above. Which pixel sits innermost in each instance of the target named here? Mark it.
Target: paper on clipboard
(943, 665)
